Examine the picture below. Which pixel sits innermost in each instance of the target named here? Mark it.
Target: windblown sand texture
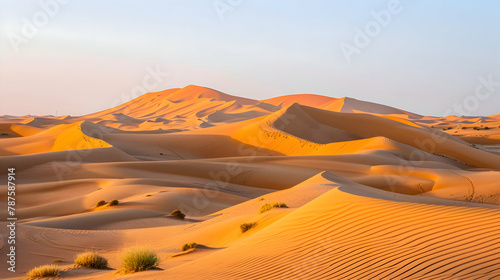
(373, 192)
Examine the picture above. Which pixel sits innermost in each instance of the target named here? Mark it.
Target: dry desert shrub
(138, 259)
(178, 214)
(269, 206)
(188, 246)
(48, 270)
(246, 226)
(91, 260)
(113, 202)
(100, 203)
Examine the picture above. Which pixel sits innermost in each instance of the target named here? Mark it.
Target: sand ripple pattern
(371, 239)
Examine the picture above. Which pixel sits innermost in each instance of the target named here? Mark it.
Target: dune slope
(293, 187)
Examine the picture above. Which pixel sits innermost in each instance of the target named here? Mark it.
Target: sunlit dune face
(214, 186)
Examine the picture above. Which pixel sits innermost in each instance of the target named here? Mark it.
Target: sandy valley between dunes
(372, 192)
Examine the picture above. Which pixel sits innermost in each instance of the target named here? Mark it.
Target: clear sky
(81, 56)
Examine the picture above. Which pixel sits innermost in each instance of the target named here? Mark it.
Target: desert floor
(372, 192)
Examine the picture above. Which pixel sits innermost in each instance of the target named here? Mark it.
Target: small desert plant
(179, 214)
(269, 206)
(58, 261)
(139, 259)
(188, 246)
(113, 202)
(48, 270)
(100, 203)
(246, 226)
(91, 260)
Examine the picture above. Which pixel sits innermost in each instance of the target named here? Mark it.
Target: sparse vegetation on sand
(246, 226)
(48, 270)
(100, 203)
(91, 260)
(269, 206)
(138, 259)
(188, 246)
(178, 214)
(113, 202)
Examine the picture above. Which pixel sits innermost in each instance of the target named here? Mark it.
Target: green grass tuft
(138, 259)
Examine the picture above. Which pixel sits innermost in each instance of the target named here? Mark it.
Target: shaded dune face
(366, 191)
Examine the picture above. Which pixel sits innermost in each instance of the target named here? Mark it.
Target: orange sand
(373, 192)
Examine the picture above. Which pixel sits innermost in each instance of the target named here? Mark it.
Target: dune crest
(293, 187)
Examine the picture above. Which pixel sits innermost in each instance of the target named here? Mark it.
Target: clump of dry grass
(113, 202)
(138, 259)
(246, 226)
(100, 203)
(269, 206)
(178, 214)
(91, 260)
(48, 270)
(188, 246)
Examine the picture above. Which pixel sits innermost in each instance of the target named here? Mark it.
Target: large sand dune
(373, 192)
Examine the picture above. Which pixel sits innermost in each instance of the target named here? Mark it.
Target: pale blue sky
(92, 54)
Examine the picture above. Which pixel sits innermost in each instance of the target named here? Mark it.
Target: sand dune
(312, 100)
(351, 105)
(182, 107)
(353, 233)
(372, 191)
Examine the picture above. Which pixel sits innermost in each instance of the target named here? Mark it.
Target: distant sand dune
(367, 191)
